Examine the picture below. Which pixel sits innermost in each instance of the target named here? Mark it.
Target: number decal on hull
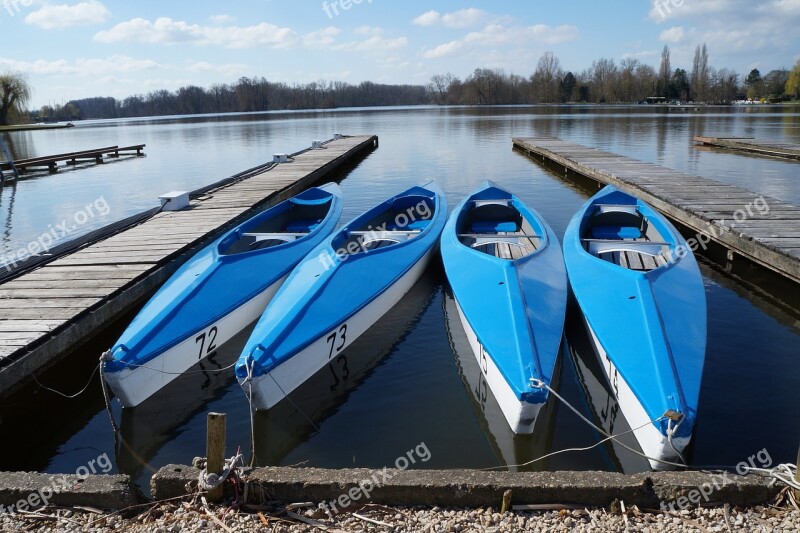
(212, 342)
(341, 336)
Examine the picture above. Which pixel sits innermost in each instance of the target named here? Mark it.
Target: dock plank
(768, 239)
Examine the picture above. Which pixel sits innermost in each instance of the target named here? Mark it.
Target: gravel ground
(196, 516)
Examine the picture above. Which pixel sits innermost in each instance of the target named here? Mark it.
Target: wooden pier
(752, 145)
(50, 162)
(50, 311)
(761, 229)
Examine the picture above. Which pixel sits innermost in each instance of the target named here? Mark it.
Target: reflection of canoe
(147, 428)
(506, 270)
(344, 285)
(602, 403)
(510, 449)
(281, 429)
(643, 302)
(219, 291)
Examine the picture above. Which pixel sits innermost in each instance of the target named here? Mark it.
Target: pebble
(167, 518)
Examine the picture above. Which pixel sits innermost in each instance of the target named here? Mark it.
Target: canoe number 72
(211, 335)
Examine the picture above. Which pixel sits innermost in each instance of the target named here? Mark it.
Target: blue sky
(74, 49)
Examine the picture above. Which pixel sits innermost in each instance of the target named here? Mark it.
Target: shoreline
(33, 127)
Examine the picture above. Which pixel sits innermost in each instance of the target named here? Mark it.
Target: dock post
(506, 506)
(215, 451)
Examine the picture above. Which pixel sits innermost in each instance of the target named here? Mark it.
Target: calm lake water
(413, 383)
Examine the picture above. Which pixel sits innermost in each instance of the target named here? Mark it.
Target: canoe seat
(601, 246)
(283, 236)
(493, 226)
(616, 232)
(303, 225)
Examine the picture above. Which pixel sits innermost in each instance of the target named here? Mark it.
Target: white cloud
(463, 18)
(82, 66)
(428, 19)
(221, 19)
(502, 35)
(164, 30)
(675, 34)
(322, 38)
(368, 30)
(444, 49)
(50, 16)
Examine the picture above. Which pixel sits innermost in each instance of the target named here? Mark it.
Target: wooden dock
(50, 162)
(752, 145)
(761, 229)
(53, 309)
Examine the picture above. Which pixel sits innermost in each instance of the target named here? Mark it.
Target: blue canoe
(643, 302)
(218, 292)
(344, 285)
(506, 270)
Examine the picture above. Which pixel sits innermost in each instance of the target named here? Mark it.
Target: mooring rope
(68, 396)
(541, 384)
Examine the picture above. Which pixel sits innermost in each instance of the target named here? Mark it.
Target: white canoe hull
(134, 385)
(269, 389)
(654, 444)
(521, 416)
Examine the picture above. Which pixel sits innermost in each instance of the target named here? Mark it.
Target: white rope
(541, 384)
(106, 396)
(586, 448)
(785, 473)
(68, 396)
(212, 370)
(294, 404)
(249, 364)
(209, 481)
(671, 433)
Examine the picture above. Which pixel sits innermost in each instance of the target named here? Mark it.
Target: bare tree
(440, 86)
(546, 78)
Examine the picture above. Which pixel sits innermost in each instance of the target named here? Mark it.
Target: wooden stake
(506, 502)
(215, 450)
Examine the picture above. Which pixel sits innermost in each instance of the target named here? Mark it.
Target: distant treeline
(604, 82)
(247, 94)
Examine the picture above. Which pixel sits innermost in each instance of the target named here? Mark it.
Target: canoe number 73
(336, 341)
(211, 336)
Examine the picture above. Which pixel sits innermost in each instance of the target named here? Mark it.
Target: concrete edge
(475, 488)
(28, 491)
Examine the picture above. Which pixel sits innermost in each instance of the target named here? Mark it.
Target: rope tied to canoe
(209, 480)
(671, 433)
(539, 384)
(249, 365)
